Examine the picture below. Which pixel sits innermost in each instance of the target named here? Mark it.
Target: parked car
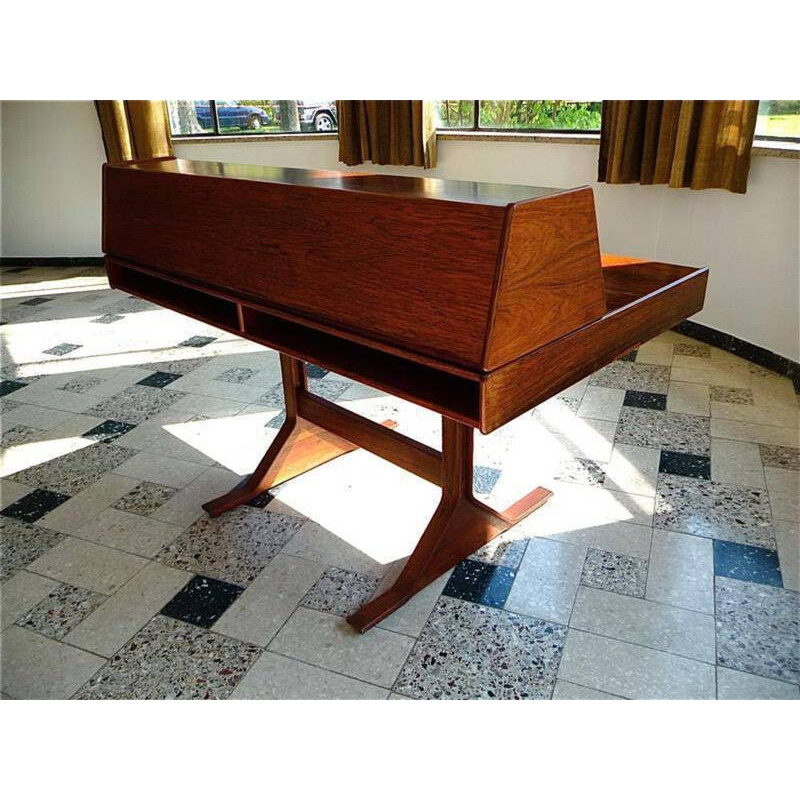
(317, 115)
(232, 114)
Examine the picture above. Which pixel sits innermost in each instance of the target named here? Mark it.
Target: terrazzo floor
(665, 566)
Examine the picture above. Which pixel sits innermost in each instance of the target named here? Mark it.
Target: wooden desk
(475, 300)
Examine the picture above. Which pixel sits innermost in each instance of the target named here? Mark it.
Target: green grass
(778, 125)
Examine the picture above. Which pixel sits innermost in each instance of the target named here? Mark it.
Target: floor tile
(572, 691)
(197, 341)
(482, 583)
(73, 472)
(581, 470)
(127, 611)
(88, 565)
(81, 384)
(63, 609)
(787, 536)
(34, 505)
(685, 433)
(327, 641)
(739, 415)
(547, 580)
(145, 498)
(20, 593)
(484, 479)
(733, 685)
(470, 651)
(630, 619)
(7, 387)
(202, 601)
(758, 629)
(186, 505)
(716, 510)
(639, 377)
(753, 432)
(633, 671)
(746, 563)
(412, 617)
(340, 591)
(313, 371)
(236, 375)
(724, 394)
(39, 668)
(614, 572)
(62, 349)
(107, 319)
(651, 400)
(132, 533)
(783, 487)
(108, 431)
(692, 349)
(22, 544)
(782, 457)
(159, 379)
(632, 469)
(136, 404)
(504, 550)
(681, 571)
(18, 434)
(275, 677)
(170, 659)
(160, 469)
(601, 402)
(233, 547)
(686, 464)
(86, 505)
(736, 463)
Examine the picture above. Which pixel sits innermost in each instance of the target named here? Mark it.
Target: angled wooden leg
(459, 526)
(299, 446)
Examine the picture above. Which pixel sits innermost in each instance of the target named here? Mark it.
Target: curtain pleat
(401, 132)
(134, 129)
(701, 144)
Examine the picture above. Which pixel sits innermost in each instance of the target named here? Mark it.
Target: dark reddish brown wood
(459, 526)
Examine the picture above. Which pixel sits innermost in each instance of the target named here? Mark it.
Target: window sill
(762, 147)
(255, 137)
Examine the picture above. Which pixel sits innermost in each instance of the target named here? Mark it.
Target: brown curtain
(134, 129)
(702, 144)
(387, 132)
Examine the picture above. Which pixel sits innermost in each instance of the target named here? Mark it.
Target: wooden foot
(459, 526)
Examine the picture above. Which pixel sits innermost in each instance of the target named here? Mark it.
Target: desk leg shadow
(460, 525)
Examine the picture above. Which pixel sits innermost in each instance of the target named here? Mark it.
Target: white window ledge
(762, 147)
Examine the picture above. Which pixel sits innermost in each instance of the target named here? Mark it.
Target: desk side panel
(409, 272)
(551, 278)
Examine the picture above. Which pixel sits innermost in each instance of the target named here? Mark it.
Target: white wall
(51, 158)
(751, 242)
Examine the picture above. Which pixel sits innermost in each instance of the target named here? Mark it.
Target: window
(560, 116)
(778, 119)
(248, 117)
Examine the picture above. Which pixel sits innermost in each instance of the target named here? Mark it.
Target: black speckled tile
(171, 659)
(233, 547)
(197, 341)
(614, 572)
(6, 387)
(468, 651)
(630, 356)
(61, 611)
(478, 582)
(758, 629)
(145, 498)
(276, 421)
(108, 431)
(714, 510)
(62, 349)
(581, 470)
(726, 394)
(136, 404)
(159, 380)
(746, 563)
(202, 601)
(107, 319)
(21, 544)
(484, 479)
(340, 591)
(313, 371)
(73, 472)
(264, 499)
(34, 505)
(685, 464)
(773, 455)
(36, 301)
(645, 400)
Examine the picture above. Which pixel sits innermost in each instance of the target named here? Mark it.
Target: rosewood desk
(475, 300)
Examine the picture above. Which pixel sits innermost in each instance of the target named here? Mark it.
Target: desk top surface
(473, 192)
